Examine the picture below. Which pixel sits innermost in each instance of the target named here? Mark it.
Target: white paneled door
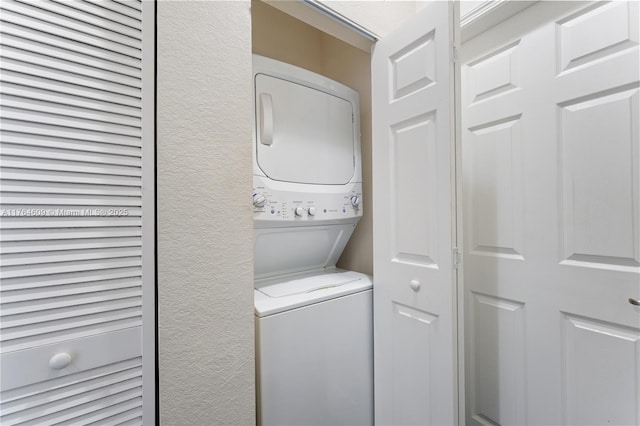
(551, 216)
(77, 219)
(414, 234)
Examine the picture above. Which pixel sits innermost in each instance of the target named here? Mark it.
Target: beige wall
(205, 263)
(352, 67)
(279, 36)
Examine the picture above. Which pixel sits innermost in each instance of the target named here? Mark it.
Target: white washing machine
(314, 340)
(314, 336)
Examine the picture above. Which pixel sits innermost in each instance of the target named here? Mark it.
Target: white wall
(205, 264)
(379, 16)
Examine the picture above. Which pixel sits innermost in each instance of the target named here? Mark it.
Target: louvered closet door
(76, 229)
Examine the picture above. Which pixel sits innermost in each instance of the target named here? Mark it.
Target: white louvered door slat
(22, 103)
(43, 40)
(39, 26)
(56, 391)
(75, 278)
(63, 290)
(67, 244)
(43, 51)
(122, 9)
(53, 234)
(33, 11)
(78, 18)
(98, 9)
(74, 146)
(73, 243)
(20, 148)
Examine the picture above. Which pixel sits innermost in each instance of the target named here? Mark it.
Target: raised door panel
(602, 372)
(414, 218)
(418, 381)
(497, 353)
(413, 67)
(598, 140)
(496, 176)
(494, 73)
(595, 32)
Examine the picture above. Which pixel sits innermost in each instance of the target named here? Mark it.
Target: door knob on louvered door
(634, 301)
(60, 361)
(415, 285)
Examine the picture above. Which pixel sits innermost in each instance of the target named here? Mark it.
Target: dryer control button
(298, 211)
(355, 201)
(259, 200)
(312, 211)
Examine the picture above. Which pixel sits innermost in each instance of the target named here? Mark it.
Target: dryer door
(303, 135)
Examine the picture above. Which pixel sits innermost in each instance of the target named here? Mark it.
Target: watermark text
(61, 212)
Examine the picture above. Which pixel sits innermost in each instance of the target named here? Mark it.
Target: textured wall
(318, 52)
(205, 262)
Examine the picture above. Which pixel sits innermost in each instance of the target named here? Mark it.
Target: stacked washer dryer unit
(314, 337)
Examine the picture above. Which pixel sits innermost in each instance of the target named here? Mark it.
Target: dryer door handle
(266, 119)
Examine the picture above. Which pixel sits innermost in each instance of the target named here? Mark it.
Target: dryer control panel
(312, 203)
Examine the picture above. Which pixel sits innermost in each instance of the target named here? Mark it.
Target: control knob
(311, 211)
(298, 211)
(259, 200)
(355, 201)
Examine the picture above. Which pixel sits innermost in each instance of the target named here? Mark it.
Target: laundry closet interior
(482, 212)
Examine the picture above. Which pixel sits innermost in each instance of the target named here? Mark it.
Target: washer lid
(276, 295)
(303, 135)
(309, 284)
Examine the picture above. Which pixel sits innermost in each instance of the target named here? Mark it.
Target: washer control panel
(271, 204)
